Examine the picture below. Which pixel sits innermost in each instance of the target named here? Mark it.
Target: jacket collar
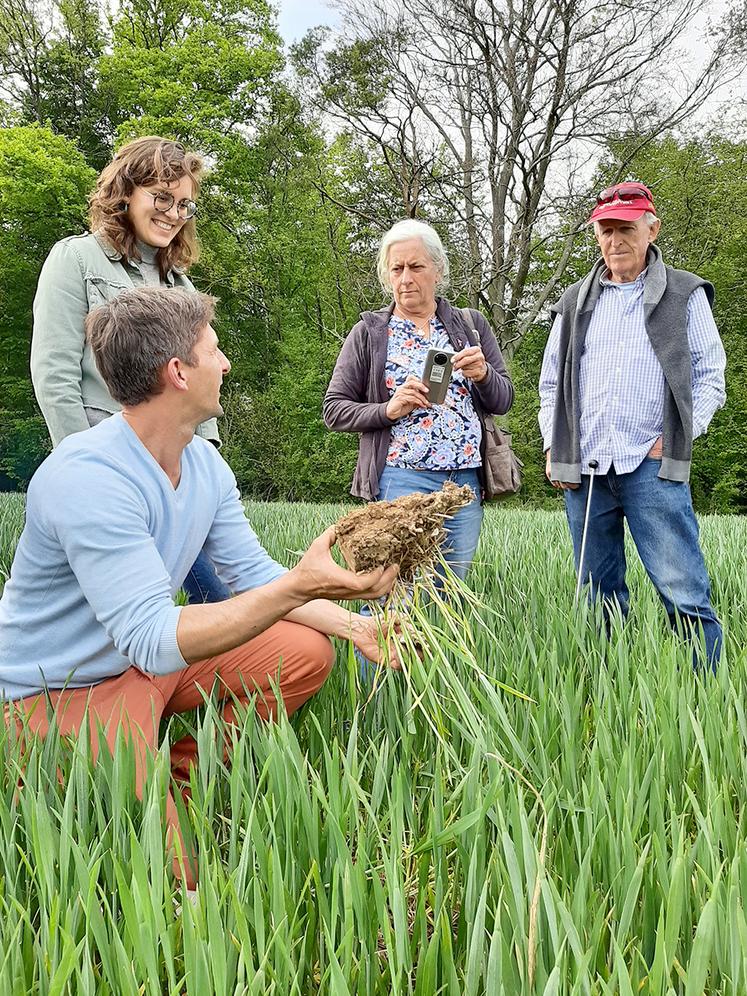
(106, 247)
(116, 257)
(377, 321)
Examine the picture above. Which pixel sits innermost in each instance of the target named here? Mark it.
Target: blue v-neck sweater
(107, 543)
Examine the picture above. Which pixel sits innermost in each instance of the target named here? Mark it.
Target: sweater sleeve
(496, 392)
(232, 545)
(57, 343)
(101, 524)
(346, 407)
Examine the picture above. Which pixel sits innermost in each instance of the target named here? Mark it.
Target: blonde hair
(140, 163)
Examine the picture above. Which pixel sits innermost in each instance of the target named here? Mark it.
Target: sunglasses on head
(624, 193)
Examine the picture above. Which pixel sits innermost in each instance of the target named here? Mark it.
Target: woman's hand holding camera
(408, 396)
(472, 363)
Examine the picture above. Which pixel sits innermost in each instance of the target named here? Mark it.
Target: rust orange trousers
(294, 658)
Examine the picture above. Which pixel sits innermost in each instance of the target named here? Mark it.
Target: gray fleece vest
(665, 296)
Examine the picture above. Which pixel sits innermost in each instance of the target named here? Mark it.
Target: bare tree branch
(496, 112)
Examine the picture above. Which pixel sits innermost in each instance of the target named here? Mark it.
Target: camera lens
(441, 359)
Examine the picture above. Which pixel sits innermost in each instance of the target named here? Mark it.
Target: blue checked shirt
(621, 382)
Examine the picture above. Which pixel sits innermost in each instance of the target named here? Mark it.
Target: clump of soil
(407, 531)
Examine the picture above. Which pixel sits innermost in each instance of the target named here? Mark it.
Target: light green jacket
(80, 273)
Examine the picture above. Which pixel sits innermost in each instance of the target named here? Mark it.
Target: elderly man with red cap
(633, 372)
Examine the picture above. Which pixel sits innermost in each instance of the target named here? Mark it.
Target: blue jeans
(463, 530)
(202, 584)
(664, 529)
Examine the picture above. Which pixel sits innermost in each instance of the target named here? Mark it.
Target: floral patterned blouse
(443, 437)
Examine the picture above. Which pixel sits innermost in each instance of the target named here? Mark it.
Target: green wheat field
(442, 835)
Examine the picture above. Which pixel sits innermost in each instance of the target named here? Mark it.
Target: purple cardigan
(357, 395)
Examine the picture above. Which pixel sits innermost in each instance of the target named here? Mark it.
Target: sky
(297, 16)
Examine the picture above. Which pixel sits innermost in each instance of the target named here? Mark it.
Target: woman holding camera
(142, 232)
(408, 444)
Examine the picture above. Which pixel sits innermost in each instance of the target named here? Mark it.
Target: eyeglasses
(625, 193)
(163, 201)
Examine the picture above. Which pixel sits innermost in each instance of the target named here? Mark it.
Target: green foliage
(355, 77)
(522, 420)
(24, 439)
(197, 71)
(377, 847)
(309, 289)
(49, 66)
(44, 183)
(290, 217)
(69, 69)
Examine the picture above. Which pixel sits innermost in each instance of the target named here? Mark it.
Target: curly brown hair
(140, 163)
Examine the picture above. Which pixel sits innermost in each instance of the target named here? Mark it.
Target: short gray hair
(406, 229)
(648, 216)
(134, 336)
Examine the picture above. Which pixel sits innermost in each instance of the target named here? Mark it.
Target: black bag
(501, 468)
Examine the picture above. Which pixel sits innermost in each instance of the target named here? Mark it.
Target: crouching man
(115, 518)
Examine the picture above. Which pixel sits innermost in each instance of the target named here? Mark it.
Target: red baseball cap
(623, 201)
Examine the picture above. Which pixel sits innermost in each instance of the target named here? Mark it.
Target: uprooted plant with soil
(407, 531)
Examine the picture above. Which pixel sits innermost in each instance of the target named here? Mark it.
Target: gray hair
(406, 229)
(134, 336)
(648, 216)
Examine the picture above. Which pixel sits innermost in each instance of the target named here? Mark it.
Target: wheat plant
(439, 834)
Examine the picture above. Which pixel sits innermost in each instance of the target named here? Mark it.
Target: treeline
(313, 156)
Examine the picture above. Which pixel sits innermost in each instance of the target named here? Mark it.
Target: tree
(44, 183)
(48, 69)
(497, 108)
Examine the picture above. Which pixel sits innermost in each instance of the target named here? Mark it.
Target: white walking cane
(593, 464)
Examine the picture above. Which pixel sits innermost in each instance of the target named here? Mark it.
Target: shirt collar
(606, 281)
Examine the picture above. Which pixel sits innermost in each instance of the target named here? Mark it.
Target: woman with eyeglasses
(142, 232)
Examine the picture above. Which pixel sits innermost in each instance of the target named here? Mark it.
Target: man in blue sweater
(116, 516)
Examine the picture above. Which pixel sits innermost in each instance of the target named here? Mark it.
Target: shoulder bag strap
(471, 326)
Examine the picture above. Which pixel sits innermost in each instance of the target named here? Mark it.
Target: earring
(126, 207)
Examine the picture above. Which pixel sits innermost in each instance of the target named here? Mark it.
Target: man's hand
(408, 396)
(563, 485)
(655, 451)
(304, 595)
(472, 363)
(316, 575)
(377, 646)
